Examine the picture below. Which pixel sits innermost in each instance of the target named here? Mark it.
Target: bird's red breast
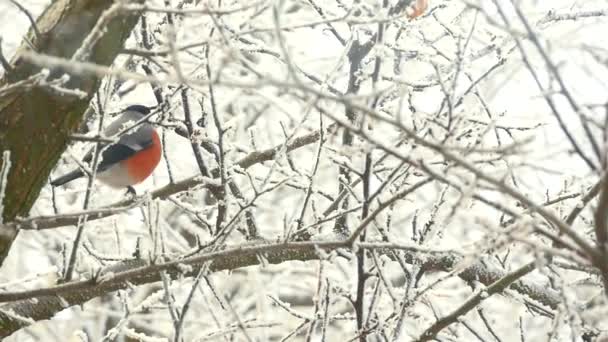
(142, 164)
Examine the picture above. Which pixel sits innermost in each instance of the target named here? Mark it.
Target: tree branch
(43, 303)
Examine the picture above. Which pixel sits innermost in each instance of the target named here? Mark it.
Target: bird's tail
(68, 177)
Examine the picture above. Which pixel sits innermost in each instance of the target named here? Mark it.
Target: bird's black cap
(140, 109)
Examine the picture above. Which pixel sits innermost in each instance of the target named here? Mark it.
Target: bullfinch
(128, 161)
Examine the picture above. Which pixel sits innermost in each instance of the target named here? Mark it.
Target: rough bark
(35, 122)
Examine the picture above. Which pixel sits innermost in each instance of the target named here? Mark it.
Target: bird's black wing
(114, 154)
(109, 156)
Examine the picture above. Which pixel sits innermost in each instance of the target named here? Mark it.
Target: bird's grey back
(137, 138)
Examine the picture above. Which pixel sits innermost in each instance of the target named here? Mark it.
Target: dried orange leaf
(417, 8)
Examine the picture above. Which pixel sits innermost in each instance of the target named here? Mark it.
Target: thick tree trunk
(35, 122)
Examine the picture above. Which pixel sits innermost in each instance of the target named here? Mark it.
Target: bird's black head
(141, 109)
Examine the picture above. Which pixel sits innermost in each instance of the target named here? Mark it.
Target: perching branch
(253, 158)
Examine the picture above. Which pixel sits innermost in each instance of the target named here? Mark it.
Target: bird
(130, 160)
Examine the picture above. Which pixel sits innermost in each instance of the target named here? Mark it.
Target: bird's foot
(131, 191)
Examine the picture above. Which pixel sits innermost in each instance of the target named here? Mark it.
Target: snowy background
(259, 104)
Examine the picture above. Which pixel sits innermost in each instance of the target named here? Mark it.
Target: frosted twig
(207, 10)
(97, 149)
(6, 167)
(480, 295)
(572, 16)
